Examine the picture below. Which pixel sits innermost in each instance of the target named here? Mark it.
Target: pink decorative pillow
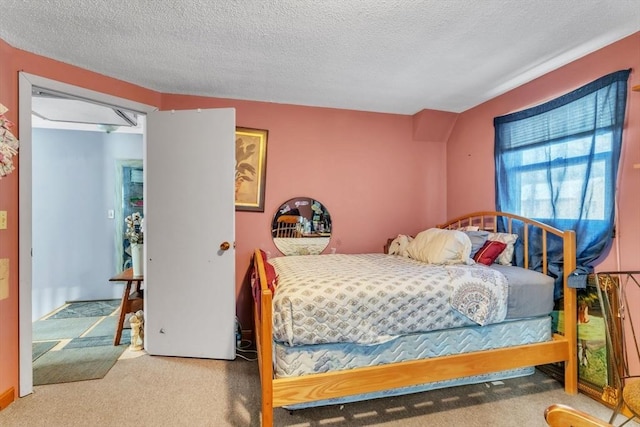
(488, 253)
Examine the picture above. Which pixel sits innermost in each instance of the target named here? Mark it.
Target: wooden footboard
(278, 392)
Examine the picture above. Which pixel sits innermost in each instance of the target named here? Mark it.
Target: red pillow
(272, 280)
(488, 253)
(272, 277)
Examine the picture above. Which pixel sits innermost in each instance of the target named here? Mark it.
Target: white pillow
(438, 246)
(507, 254)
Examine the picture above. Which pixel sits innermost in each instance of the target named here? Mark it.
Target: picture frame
(251, 161)
(594, 371)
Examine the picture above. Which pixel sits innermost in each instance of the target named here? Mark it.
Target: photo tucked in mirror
(301, 226)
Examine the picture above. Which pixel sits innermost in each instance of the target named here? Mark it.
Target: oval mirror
(301, 226)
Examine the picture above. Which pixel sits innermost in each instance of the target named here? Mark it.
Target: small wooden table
(131, 301)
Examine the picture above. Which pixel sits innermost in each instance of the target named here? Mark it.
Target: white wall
(73, 239)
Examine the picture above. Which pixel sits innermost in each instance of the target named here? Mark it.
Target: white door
(189, 220)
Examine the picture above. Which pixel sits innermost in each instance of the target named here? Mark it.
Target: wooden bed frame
(277, 392)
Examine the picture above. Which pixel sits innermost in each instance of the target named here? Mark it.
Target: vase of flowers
(135, 234)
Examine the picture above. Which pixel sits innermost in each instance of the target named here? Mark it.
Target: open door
(189, 233)
(27, 84)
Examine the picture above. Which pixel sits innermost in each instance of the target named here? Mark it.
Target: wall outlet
(3, 220)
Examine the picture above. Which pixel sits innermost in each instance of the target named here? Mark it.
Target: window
(564, 167)
(558, 162)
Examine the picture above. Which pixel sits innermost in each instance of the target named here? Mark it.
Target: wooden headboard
(488, 220)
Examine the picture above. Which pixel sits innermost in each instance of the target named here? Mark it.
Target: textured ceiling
(397, 56)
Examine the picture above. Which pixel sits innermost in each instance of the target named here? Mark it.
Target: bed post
(570, 314)
(267, 368)
(264, 340)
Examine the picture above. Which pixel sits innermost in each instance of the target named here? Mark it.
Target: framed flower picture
(251, 161)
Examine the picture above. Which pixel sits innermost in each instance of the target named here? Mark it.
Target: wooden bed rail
(277, 392)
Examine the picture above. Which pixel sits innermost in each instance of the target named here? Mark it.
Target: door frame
(25, 173)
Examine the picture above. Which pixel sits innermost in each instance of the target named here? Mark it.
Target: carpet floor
(40, 348)
(75, 343)
(75, 364)
(156, 391)
(57, 329)
(87, 309)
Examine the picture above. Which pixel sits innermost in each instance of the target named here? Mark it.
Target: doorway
(26, 83)
(77, 221)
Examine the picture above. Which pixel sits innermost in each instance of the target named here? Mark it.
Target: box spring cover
(309, 359)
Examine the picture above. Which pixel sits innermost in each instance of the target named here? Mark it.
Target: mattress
(310, 359)
(530, 292)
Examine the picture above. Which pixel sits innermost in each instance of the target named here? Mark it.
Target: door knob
(224, 246)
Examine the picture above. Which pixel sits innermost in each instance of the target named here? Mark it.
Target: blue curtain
(558, 163)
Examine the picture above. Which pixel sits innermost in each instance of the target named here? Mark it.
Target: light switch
(3, 220)
(111, 214)
(4, 278)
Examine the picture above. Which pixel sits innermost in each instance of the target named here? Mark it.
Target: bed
(305, 360)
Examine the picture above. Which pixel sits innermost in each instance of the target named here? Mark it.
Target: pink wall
(375, 180)
(470, 165)
(9, 239)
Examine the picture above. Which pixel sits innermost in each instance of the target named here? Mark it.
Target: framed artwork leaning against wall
(251, 161)
(595, 373)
